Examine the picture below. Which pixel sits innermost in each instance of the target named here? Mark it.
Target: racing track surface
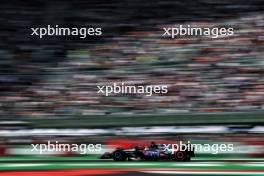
(18, 166)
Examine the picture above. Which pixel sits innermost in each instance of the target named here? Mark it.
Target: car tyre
(181, 156)
(119, 155)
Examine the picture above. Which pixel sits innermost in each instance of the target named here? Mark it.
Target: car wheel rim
(117, 155)
(180, 155)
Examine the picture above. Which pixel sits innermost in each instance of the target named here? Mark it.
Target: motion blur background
(48, 86)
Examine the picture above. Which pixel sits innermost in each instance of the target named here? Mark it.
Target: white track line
(205, 172)
(199, 164)
(23, 165)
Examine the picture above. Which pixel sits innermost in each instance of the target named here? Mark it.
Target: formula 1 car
(152, 153)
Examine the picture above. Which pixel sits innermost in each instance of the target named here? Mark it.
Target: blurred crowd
(203, 74)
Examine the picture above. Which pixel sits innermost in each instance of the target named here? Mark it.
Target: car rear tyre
(119, 155)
